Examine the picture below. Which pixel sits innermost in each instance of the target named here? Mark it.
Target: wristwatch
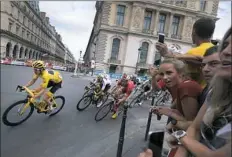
(179, 134)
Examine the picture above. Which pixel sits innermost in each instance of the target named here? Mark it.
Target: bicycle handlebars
(22, 88)
(113, 96)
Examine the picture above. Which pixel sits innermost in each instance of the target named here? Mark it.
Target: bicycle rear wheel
(86, 100)
(5, 117)
(136, 100)
(61, 105)
(104, 111)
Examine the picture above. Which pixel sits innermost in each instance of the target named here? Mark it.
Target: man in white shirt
(92, 65)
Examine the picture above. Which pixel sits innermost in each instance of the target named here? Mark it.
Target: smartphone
(161, 38)
(156, 143)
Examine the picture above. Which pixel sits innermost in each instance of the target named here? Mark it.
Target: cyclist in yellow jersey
(202, 32)
(50, 79)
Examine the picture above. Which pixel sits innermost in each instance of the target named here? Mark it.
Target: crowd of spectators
(200, 83)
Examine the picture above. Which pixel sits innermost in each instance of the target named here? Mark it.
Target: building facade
(69, 58)
(26, 33)
(124, 34)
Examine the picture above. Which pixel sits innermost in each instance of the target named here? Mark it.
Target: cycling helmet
(127, 77)
(99, 76)
(124, 75)
(38, 65)
(106, 76)
(133, 78)
(138, 80)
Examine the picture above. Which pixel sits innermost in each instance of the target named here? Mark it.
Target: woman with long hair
(210, 133)
(185, 92)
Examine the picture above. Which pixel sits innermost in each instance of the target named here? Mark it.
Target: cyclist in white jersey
(106, 84)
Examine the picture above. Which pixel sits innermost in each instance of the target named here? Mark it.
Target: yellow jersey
(200, 50)
(48, 76)
(196, 71)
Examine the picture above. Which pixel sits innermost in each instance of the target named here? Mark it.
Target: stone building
(124, 34)
(26, 33)
(69, 58)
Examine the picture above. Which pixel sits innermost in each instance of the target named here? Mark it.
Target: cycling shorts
(54, 86)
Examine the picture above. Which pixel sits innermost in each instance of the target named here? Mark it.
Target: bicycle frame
(30, 94)
(91, 86)
(30, 101)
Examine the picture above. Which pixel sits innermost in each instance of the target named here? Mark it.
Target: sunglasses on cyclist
(36, 69)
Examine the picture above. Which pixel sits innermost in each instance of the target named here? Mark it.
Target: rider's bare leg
(47, 98)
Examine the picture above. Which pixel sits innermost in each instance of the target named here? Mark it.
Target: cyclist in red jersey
(128, 86)
(124, 76)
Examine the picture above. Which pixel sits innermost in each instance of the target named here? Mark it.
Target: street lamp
(80, 54)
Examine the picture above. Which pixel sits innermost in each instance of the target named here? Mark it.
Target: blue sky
(74, 21)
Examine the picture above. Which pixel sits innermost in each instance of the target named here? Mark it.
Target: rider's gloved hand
(33, 91)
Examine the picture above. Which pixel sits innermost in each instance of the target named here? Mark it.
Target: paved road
(70, 133)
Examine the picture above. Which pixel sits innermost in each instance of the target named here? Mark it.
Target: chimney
(59, 37)
(42, 15)
(47, 20)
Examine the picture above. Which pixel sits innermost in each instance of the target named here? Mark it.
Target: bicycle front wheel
(86, 93)
(104, 111)
(84, 103)
(20, 119)
(59, 101)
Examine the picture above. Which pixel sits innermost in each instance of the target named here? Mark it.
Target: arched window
(15, 51)
(115, 48)
(21, 53)
(143, 53)
(30, 54)
(26, 54)
(8, 48)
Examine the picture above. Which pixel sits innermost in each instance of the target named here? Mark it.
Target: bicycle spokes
(24, 108)
(20, 109)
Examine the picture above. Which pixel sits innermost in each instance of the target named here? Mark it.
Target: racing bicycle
(30, 105)
(139, 89)
(88, 89)
(138, 100)
(104, 110)
(93, 96)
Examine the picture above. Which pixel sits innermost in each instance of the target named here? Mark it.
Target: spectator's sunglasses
(209, 132)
